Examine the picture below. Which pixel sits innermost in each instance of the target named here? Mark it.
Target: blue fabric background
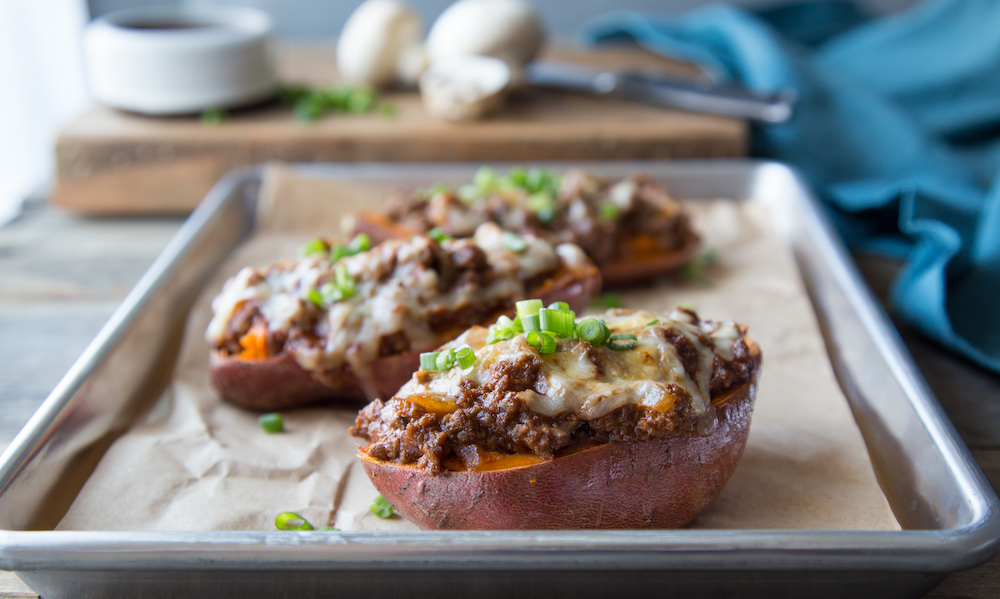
(897, 127)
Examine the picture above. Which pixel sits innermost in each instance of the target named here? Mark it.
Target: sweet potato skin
(664, 483)
(279, 382)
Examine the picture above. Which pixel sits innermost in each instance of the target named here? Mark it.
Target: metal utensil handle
(700, 97)
(663, 90)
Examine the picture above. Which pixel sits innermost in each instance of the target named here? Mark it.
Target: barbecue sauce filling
(491, 416)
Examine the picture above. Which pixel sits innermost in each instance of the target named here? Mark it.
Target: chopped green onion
(360, 243)
(329, 293)
(607, 300)
(316, 246)
(329, 528)
(271, 423)
(546, 214)
(504, 322)
(513, 242)
(535, 178)
(380, 507)
(310, 107)
(337, 97)
(387, 109)
(652, 322)
(214, 116)
(315, 297)
(437, 189)
(693, 271)
(312, 103)
(293, 93)
(530, 322)
(498, 334)
(623, 341)
(485, 179)
(687, 306)
(360, 100)
(543, 342)
(557, 321)
(609, 211)
(428, 360)
(518, 327)
(504, 329)
(445, 359)
(438, 235)
(594, 331)
(345, 282)
(528, 307)
(559, 306)
(468, 193)
(518, 176)
(339, 251)
(465, 357)
(543, 205)
(292, 521)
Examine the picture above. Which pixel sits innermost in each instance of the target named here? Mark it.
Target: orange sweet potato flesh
(635, 270)
(279, 382)
(639, 266)
(663, 483)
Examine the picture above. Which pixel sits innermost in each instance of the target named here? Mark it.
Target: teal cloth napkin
(897, 127)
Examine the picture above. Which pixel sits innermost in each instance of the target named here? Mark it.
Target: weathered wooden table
(62, 276)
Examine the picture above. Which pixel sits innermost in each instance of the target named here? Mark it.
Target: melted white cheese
(394, 292)
(572, 384)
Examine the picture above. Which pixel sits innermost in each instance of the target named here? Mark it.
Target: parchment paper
(201, 464)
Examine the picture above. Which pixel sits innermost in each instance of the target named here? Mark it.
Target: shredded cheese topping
(395, 290)
(649, 374)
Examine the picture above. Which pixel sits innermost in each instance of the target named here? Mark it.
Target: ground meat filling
(493, 416)
(463, 270)
(611, 221)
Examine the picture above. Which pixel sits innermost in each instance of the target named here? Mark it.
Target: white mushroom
(464, 88)
(505, 29)
(380, 45)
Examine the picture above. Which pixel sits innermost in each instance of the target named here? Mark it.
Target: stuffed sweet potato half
(634, 422)
(350, 323)
(632, 228)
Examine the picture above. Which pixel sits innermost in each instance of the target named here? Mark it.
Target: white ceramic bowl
(180, 59)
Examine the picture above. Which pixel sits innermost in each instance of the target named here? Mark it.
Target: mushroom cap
(376, 38)
(464, 88)
(504, 29)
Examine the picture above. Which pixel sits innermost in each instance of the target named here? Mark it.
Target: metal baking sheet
(948, 512)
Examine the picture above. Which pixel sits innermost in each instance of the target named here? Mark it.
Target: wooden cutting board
(113, 162)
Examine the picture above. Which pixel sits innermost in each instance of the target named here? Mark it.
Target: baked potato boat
(632, 228)
(347, 322)
(637, 421)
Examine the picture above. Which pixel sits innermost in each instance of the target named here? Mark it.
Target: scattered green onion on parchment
(271, 423)
(694, 270)
(380, 507)
(292, 521)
